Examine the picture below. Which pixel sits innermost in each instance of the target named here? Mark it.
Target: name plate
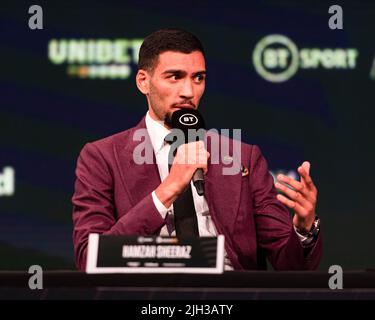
(137, 254)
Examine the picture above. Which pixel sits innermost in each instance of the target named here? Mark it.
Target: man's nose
(187, 89)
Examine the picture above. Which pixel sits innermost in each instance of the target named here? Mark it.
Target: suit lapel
(139, 179)
(223, 194)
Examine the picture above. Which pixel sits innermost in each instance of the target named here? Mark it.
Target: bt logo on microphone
(188, 119)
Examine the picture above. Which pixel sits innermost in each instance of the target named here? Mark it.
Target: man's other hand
(301, 196)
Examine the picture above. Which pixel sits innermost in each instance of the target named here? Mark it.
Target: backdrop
(296, 88)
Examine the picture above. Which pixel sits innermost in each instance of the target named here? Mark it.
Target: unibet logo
(188, 119)
(276, 58)
(95, 59)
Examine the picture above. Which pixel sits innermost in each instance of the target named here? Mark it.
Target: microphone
(189, 121)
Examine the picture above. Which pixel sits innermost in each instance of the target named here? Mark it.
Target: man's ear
(142, 80)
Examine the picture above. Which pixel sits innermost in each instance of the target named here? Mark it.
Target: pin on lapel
(244, 171)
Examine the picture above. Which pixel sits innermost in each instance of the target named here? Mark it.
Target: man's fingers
(298, 186)
(193, 153)
(295, 206)
(294, 195)
(305, 177)
(306, 166)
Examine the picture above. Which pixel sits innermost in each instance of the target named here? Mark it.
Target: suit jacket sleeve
(94, 209)
(275, 232)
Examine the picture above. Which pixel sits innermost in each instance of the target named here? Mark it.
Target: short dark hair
(170, 39)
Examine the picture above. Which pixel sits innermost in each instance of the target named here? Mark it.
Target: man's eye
(199, 78)
(174, 77)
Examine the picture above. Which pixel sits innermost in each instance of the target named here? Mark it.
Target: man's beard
(168, 119)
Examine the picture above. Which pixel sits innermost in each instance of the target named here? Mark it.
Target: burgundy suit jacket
(113, 196)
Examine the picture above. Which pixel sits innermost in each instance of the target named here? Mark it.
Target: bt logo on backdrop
(277, 58)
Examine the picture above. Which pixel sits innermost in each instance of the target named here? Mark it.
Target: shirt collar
(156, 131)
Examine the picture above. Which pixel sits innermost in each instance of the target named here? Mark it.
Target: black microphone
(189, 121)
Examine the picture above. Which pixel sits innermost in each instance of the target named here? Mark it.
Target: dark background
(321, 115)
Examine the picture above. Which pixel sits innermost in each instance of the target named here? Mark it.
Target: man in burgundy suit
(115, 195)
